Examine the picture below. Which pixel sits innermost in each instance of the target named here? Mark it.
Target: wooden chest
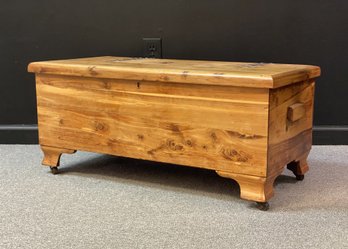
(246, 121)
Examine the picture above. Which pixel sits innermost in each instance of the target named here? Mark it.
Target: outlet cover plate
(152, 47)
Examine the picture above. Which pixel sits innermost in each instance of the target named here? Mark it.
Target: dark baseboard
(19, 134)
(28, 134)
(330, 135)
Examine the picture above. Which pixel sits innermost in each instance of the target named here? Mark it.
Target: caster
(293, 168)
(264, 206)
(299, 177)
(54, 170)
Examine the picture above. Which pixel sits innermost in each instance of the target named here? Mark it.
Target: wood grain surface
(210, 131)
(246, 121)
(289, 140)
(52, 155)
(259, 75)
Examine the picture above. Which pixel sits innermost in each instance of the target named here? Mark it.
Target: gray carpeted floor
(100, 201)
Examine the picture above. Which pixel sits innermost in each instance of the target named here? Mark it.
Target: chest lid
(258, 75)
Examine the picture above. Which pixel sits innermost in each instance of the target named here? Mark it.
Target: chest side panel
(290, 124)
(215, 127)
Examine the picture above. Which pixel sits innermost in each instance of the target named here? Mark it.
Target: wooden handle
(296, 111)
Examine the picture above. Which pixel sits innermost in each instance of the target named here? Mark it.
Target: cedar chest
(246, 121)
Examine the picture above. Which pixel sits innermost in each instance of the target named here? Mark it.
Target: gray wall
(285, 31)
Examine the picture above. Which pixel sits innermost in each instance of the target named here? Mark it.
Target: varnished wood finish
(143, 122)
(246, 121)
(52, 155)
(252, 188)
(296, 111)
(287, 140)
(259, 75)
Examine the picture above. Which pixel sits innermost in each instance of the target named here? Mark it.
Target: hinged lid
(259, 75)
